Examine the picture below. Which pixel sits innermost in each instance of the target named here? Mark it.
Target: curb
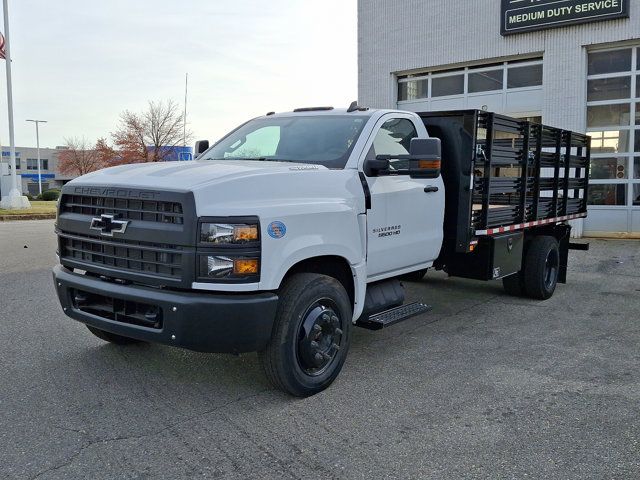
(35, 216)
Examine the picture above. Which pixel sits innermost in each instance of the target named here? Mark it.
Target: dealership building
(573, 64)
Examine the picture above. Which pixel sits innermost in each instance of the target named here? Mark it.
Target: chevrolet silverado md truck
(296, 227)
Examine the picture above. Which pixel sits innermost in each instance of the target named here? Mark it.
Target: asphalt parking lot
(484, 386)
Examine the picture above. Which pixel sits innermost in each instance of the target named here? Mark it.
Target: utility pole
(15, 199)
(38, 122)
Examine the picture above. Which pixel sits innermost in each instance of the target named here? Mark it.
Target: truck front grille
(152, 240)
(124, 208)
(125, 255)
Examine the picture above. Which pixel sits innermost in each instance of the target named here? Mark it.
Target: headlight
(226, 233)
(229, 250)
(228, 267)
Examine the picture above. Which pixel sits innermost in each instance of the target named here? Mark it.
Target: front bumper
(206, 322)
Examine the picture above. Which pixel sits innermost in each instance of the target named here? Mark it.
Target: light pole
(14, 199)
(38, 122)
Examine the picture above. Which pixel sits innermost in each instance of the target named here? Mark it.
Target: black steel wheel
(311, 335)
(112, 337)
(542, 267)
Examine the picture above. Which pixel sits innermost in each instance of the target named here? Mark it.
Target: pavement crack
(104, 441)
(475, 305)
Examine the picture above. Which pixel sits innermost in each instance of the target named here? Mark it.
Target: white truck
(297, 226)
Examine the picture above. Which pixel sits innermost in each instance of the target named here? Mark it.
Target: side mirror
(426, 158)
(374, 166)
(201, 147)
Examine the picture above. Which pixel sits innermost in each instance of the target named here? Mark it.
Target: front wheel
(311, 335)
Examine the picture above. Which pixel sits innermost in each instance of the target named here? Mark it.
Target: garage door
(513, 88)
(613, 121)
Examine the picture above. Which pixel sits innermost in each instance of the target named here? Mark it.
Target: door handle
(431, 189)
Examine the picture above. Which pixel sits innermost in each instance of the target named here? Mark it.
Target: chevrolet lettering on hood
(116, 192)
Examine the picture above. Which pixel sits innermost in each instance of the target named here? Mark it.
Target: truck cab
(277, 239)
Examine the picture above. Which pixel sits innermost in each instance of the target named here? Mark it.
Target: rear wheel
(311, 335)
(112, 337)
(541, 266)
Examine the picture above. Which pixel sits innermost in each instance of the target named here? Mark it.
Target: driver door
(405, 223)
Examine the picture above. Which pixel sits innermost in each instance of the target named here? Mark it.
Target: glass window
(485, 81)
(530, 76)
(638, 85)
(638, 114)
(608, 194)
(636, 194)
(18, 164)
(609, 89)
(443, 86)
(403, 92)
(609, 168)
(610, 62)
(413, 90)
(605, 115)
(610, 141)
(394, 138)
(32, 164)
(320, 139)
(637, 142)
(636, 168)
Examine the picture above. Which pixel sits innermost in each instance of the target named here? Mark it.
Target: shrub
(49, 195)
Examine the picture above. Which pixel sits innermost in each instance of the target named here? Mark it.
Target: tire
(514, 284)
(112, 337)
(313, 309)
(414, 276)
(542, 265)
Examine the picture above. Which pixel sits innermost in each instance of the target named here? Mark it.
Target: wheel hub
(551, 269)
(319, 339)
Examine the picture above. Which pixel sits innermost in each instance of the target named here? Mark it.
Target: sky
(78, 63)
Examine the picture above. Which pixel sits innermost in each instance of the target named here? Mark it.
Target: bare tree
(149, 136)
(79, 157)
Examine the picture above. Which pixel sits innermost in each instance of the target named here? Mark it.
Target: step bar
(385, 319)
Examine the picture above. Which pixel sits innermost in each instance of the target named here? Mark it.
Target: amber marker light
(429, 164)
(245, 266)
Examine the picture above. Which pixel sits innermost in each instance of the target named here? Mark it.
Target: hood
(184, 176)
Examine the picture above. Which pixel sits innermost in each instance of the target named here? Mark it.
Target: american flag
(3, 55)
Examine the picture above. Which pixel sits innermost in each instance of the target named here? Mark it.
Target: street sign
(528, 15)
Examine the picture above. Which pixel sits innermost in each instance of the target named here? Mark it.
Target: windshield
(322, 139)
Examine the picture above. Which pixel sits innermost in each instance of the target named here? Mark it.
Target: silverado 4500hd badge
(388, 231)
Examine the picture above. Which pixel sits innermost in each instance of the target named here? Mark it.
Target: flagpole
(15, 198)
(184, 120)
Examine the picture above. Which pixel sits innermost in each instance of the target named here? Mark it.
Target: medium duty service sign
(528, 15)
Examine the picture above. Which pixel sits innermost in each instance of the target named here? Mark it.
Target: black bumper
(206, 322)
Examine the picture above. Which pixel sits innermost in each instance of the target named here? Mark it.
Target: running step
(395, 315)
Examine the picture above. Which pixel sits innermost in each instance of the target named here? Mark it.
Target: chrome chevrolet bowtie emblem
(107, 225)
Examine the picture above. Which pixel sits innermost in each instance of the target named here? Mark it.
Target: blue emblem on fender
(277, 229)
